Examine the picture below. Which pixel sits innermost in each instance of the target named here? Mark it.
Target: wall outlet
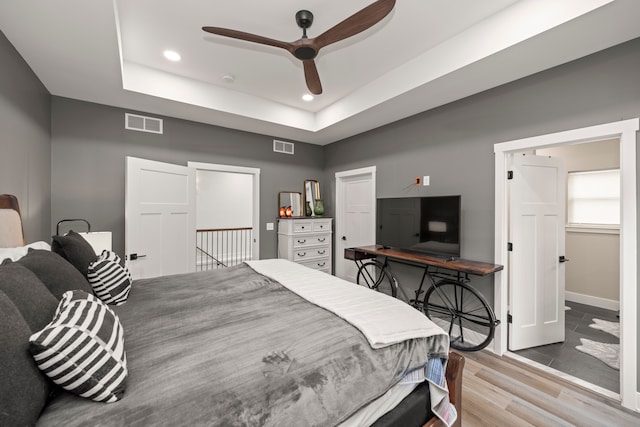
(425, 180)
(269, 226)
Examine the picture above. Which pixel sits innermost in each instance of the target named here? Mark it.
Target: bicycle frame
(453, 306)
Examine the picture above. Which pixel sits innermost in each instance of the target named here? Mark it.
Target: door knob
(344, 237)
(562, 259)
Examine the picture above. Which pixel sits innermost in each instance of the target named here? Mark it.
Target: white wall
(224, 200)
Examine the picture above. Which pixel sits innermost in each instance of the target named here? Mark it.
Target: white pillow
(15, 254)
(10, 228)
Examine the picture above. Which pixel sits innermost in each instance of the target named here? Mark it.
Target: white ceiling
(425, 53)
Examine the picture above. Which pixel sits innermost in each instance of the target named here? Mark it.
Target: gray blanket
(231, 347)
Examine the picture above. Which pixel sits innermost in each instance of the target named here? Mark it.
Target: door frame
(340, 178)
(255, 172)
(625, 130)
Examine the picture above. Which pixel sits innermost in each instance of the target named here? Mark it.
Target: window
(593, 198)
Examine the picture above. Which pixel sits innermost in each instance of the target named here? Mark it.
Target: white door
(536, 281)
(355, 216)
(160, 218)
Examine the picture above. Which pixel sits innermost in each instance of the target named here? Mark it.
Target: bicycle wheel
(462, 312)
(376, 276)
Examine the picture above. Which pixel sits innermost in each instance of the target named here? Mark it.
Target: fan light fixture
(307, 97)
(172, 55)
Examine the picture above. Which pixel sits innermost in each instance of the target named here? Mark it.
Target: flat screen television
(430, 225)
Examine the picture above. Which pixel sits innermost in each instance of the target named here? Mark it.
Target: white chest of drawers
(306, 241)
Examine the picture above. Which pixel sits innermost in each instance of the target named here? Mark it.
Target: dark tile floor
(565, 358)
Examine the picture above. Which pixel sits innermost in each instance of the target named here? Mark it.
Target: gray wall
(453, 144)
(25, 147)
(89, 145)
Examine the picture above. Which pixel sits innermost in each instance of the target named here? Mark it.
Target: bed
(267, 342)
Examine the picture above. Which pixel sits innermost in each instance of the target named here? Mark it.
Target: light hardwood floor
(499, 391)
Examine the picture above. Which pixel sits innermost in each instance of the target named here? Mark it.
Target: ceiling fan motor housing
(305, 52)
(304, 19)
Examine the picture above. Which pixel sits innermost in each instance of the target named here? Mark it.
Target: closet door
(355, 216)
(536, 294)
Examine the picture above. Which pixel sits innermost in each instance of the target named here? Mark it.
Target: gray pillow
(57, 274)
(24, 389)
(32, 298)
(75, 249)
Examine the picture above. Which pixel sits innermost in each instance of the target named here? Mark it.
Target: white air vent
(142, 123)
(282, 147)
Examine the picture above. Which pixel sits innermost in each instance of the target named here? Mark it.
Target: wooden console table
(458, 264)
(450, 301)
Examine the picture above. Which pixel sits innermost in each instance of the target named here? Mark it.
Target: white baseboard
(593, 301)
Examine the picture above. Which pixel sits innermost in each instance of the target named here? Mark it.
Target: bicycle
(449, 302)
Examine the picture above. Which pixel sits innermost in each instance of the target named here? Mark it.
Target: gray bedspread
(231, 347)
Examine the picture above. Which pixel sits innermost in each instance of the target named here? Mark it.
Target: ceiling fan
(306, 49)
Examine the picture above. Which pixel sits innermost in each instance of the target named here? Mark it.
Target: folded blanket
(440, 405)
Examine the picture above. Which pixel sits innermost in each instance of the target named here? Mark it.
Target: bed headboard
(11, 232)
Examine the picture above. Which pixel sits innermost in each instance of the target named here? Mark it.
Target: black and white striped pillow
(82, 349)
(110, 278)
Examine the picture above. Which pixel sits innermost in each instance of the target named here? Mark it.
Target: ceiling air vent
(142, 123)
(282, 147)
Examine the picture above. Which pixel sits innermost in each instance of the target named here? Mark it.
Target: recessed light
(307, 97)
(172, 55)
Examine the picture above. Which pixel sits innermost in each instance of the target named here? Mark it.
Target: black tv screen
(429, 225)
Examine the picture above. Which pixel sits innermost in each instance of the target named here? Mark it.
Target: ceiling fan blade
(312, 77)
(356, 23)
(240, 35)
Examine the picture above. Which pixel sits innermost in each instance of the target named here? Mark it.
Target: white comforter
(382, 319)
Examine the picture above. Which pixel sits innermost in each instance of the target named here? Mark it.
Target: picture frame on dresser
(306, 241)
(311, 196)
(290, 204)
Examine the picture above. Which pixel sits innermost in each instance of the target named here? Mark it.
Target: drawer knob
(301, 241)
(321, 252)
(321, 264)
(321, 239)
(301, 254)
